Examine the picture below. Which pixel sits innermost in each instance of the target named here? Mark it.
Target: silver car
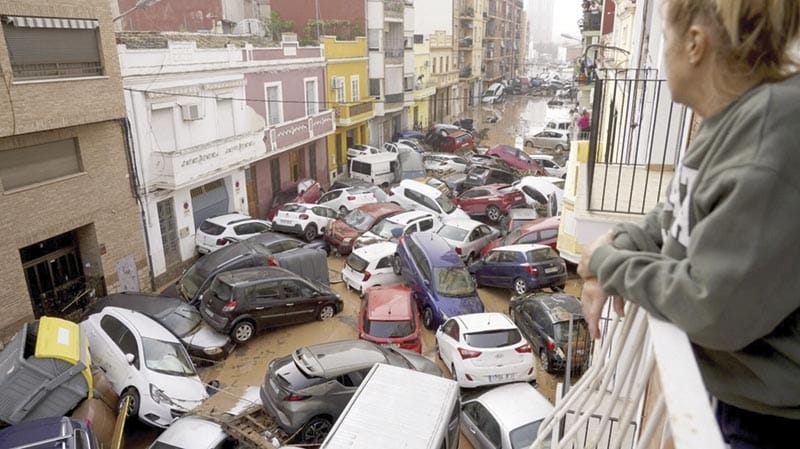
(467, 237)
(552, 139)
(307, 390)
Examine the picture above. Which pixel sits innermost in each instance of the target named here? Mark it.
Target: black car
(482, 160)
(544, 319)
(243, 302)
(253, 252)
(481, 176)
(201, 340)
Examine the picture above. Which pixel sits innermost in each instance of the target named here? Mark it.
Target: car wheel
(471, 259)
(243, 331)
(427, 318)
(544, 360)
(559, 148)
(326, 312)
(133, 405)
(529, 143)
(493, 212)
(474, 279)
(316, 429)
(398, 270)
(310, 233)
(343, 210)
(520, 287)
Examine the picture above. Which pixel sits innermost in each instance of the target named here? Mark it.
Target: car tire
(326, 312)
(520, 287)
(559, 148)
(427, 318)
(133, 405)
(396, 267)
(316, 429)
(310, 233)
(529, 143)
(343, 210)
(471, 259)
(493, 213)
(544, 360)
(243, 331)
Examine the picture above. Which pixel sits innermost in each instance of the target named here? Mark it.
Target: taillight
(272, 262)
(551, 346)
(533, 271)
(367, 275)
(468, 353)
(229, 306)
(304, 216)
(295, 397)
(524, 348)
(458, 251)
(351, 198)
(222, 242)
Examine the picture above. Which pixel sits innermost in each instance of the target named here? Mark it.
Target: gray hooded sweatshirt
(720, 256)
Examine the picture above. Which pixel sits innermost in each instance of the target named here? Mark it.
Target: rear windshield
(293, 207)
(493, 339)
(453, 233)
(292, 377)
(359, 220)
(445, 203)
(357, 263)
(389, 329)
(541, 255)
(211, 228)
(579, 331)
(284, 197)
(220, 293)
(523, 436)
(183, 320)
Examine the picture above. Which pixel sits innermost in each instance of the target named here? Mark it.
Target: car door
(331, 199)
(480, 427)
(511, 268)
(324, 216)
(117, 341)
(266, 304)
(473, 201)
(383, 272)
(300, 302)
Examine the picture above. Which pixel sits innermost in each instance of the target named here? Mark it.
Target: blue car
(521, 268)
(442, 286)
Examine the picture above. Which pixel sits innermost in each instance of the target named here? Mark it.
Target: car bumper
(342, 248)
(158, 414)
(549, 281)
(200, 353)
(288, 425)
(286, 229)
(492, 375)
(220, 323)
(353, 282)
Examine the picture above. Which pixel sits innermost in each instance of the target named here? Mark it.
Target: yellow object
(61, 339)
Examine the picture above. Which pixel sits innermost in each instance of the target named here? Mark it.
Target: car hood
(186, 392)
(420, 363)
(342, 230)
(458, 213)
(206, 337)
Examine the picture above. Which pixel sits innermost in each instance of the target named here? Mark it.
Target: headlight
(213, 351)
(158, 395)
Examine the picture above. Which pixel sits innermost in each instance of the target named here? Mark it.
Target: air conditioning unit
(191, 111)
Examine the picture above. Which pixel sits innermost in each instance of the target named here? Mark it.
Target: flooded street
(247, 365)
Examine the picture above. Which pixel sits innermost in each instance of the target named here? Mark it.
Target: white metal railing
(643, 390)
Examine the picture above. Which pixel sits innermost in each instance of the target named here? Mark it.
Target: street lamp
(571, 37)
(139, 5)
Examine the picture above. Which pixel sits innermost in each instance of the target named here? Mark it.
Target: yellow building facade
(424, 89)
(347, 84)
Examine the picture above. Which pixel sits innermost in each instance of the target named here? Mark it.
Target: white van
(493, 94)
(378, 169)
(395, 405)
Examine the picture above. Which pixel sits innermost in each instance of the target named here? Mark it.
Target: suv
(543, 318)
(412, 194)
(389, 316)
(442, 286)
(242, 302)
(56, 431)
(480, 176)
(216, 232)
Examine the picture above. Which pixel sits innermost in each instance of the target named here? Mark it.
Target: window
(374, 39)
(268, 291)
(355, 90)
(434, 65)
(275, 175)
(409, 83)
(162, 128)
(337, 83)
(312, 106)
(312, 160)
(374, 87)
(447, 64)
(225, 120)
(47, 47)
(273, 95)
(20, 167)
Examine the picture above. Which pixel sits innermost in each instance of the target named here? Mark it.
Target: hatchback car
(346, 199)
(551, 139)
(216, 232)
(543, 231)
(484, 349)
(245, 301)
(541, 194)
(481, 176)
(391, 228)
(551, 168)
(442, 286)
(369, 266)
(516, 158)
(444, 163)
(362, 150)
(307, 390)
(544, 319)
(307, 220)
(388, 316)
(303, 191)
(467, 237)
(515, 218)
(415, 195)
(521, 268)
(200, 339)
(342, 234)
(194, 432)
(492, 201)
(145, 362)
(504, 417)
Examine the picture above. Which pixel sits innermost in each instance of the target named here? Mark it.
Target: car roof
(389, 303)
(335, 358)
(146, 303)
(254, 274)
(436, 248)
(227, 219)
(516, 404)
(421, 187)
(560, 306)
(405, 217)
(522, 213)
(252, 245)
(380, 208)
(376, 250)
(522, 247)
(463, 223)
(480, 322)
(39, 430)
(540, 223)
(194, 430)
(377, 157)
(142, 323)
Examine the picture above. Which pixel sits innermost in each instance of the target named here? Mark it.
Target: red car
(543, 231)
(492, 200)
(303, 191)
(388, 316)
(344, 231)
(455, 142)
(516, 158)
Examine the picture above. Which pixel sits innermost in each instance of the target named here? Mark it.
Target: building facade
(346, 81)
(420, 115)
(468, 32)
(70, 219)
(345, 19)
(215, 16)
(444, 72)
(502, 40)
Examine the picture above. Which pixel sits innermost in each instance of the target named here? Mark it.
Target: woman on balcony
(719, 256)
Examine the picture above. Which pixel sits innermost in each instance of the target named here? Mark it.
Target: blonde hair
(753, 38)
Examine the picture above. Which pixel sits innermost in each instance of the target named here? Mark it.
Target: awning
(52, 22)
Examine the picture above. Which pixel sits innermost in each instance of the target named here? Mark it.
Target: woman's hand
(586, 254)
(593, 300)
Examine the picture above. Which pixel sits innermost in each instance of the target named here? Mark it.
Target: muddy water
(247, 365)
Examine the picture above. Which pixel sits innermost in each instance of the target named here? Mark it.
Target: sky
(567, 13)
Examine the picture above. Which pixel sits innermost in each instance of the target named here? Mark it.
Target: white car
(389, 229)
(414, 144)
(485, 349)
(193, 432)
(553, 139)
(308, 220)
(362, 150)
(541, 194)
(144, 361)
(416, 195)
(467, 237)
(349, 198)
(216, 232)
(444, 163)
(370, 266)
(513, 412)
(551, 168)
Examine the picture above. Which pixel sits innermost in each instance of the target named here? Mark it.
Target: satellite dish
(250, 26)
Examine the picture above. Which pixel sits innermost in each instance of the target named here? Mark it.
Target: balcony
(591, 21)
(393, 102)
(465, 73)
(393, 9)
(642, 390)
(351, 113)
(299, 132)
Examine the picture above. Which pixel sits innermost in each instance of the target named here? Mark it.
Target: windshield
(542, 255)
(385, 227)
(453, 233)
(166, 358)
(454, 281)
(445, 203)
(579, 331)
(523, 436)
(359, 220)
(183, 320)
(191, 281)
(524, 157)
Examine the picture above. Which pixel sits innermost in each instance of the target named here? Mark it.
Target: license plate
(500, 377)
(551, 270)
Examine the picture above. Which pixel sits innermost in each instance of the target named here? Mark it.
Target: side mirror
(130, 358)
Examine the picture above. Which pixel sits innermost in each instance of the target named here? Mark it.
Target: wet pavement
(246, 366)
